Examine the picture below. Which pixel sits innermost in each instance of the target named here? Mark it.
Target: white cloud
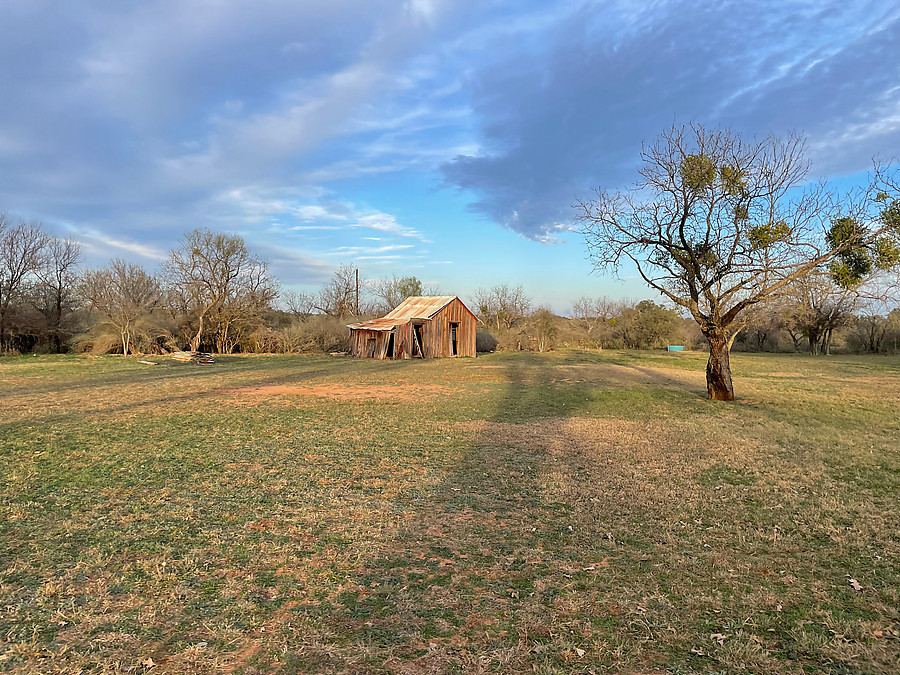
(386, 258)
(357, 250)
(103, 245)
(385, 222)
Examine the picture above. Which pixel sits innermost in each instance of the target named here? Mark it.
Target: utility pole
(357, 291)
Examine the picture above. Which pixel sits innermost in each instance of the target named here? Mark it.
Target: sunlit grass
(565, 512)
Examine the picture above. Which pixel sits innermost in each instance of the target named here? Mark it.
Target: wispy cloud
(385, 222)
(105, 245)
(357, 250)
(387, 257)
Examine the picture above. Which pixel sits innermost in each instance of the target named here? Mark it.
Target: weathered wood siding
(436, 332)
(360, 345)
(435, 336)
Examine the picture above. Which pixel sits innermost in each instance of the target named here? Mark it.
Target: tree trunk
(814, 342)
(57, 323)
(195, 342)
(718, 370)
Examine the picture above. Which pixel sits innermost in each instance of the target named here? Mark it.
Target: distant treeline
(213, 294)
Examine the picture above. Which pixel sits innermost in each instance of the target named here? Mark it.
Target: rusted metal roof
(418, 307)
(376, 324)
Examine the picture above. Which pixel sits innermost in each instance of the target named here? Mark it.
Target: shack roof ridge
(420, 306)
(414, 308)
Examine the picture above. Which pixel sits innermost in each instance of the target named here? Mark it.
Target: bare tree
(545, 328)
(56, 292)
(486, 307)
(211, 270)
(871, 330)
(300, 305)
(391, 292)
(718, 224)
(512, 303)
(818, 306)
(339, 296)
(243, 310)
(122, 294)
(502, 305)
(22, 253)
(592, 313)
(763, 324)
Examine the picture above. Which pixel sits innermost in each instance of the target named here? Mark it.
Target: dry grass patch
(558, 513)
(346, 392)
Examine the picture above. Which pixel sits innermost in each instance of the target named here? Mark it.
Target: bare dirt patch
(346, 392)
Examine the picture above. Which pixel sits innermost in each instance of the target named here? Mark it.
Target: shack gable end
(439, 331)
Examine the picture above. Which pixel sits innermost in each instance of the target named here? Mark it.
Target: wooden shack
(420, 327)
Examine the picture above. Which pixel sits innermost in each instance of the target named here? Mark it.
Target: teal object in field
(676, 348)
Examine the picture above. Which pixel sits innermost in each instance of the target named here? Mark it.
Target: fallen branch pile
(193, 357)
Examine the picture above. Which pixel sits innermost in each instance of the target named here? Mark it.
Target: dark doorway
(390, 349)
(453, 344)
(418, 350)
(370, 348)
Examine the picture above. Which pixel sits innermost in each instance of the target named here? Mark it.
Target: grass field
(568, 512)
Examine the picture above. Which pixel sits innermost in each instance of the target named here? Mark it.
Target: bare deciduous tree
(210, 270)
(485, 306)
(544, 323)
(300, 305)
(391, 292)
(244, 309)
(718, 224)
(339, 296)
(871, 330)
(122, 294)
(56, 291)
(22, 253)
(502, 305)
(818, 306)
(592, 313)
(763, 323)
(512, 302)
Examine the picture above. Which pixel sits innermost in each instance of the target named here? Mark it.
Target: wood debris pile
(193, 357)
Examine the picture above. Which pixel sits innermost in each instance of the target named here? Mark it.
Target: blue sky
(442, 138)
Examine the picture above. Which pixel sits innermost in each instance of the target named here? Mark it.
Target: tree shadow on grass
(532, 521)
(494, 566)
(564, 537)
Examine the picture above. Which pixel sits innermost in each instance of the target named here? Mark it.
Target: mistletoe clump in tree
(718, 224)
